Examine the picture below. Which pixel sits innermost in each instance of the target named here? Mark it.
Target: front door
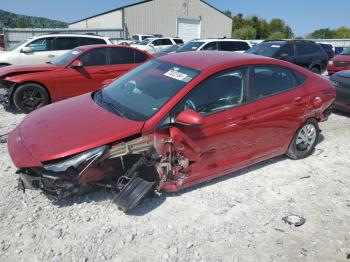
(224, 142)
(42, 51)
(88, 78)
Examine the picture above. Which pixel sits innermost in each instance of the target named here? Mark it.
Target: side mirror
(27, 50)
(76, 64)
(151, 45)
(107, 82)
(189, 117)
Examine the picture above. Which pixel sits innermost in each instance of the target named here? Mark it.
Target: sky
(304, 16)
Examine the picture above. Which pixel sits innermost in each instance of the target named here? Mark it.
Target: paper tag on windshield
(276, 46)
(176, 75)
(75, 52)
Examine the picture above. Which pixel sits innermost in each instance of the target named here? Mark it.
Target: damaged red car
(171, 123)
(79, 71)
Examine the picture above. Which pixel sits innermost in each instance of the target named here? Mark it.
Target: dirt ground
(235, 218)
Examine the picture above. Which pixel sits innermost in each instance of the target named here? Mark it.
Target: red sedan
(79, 71)
(340, 62)
(173, 122)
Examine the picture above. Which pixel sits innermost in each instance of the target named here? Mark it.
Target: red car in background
(79, 71)
(173, 122)
(339, 62)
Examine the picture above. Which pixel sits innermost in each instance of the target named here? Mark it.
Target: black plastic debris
(294, 220)
(132, 193)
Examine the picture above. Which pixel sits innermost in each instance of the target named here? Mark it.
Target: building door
(188, 29)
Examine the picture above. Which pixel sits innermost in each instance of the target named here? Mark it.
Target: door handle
(103, 72)
(51, 56)
(298, 101)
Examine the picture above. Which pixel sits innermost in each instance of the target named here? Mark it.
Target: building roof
(138, 3)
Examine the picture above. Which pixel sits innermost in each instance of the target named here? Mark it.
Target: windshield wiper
(115, 108)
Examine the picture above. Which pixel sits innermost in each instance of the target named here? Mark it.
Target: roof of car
(71, 35)
(218, 39)
(206, 59)
(88, 47)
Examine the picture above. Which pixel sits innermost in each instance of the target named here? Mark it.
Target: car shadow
(340, 113)
(13, 110)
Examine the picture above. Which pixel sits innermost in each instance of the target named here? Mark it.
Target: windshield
(67, 57)
(346, 51)
(145, 42)
(266, 49)
(14, 46)
(190, 46)
(139, 94)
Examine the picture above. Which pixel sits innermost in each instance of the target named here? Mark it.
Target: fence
(13, 36)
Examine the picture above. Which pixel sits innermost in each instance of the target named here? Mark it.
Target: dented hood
(22, 69)
(72, 126)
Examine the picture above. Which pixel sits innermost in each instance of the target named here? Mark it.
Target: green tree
(322, 33)
(246, 32)
(342, 32)
(276, 36)
(277, 25)
(228, 13)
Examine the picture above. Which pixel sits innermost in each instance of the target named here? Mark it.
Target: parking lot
(235, 218)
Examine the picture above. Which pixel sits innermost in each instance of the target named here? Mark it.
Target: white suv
(224, 44)
(155, 45)
(45, 48)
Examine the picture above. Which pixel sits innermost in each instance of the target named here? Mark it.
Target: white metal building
(188, 19)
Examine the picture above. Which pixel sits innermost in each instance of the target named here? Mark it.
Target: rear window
(242, 46)
(233, 46)
(140, 57)
(91, 41)
(178, 41)
(66, 43)
(119, 56)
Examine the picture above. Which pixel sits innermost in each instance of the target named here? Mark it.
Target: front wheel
(304, 140)
(30, 96)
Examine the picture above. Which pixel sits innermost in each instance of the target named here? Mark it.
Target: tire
(316, 70)
(304, 140)
(30, 96)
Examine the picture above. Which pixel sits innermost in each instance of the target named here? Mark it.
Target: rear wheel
(304, 140)
(30, 96)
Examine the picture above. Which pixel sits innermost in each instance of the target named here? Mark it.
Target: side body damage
(133, 168)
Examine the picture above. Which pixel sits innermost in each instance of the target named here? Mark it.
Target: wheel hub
(306, 137)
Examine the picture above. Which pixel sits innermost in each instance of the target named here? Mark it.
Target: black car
(304, 53)
(328, 48)
(341, 81)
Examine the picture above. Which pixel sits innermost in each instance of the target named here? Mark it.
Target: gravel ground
(235, 218)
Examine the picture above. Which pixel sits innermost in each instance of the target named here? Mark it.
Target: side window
(140, 57)
(286, 49)
(306, 48)
(166, 41)
(242, 46)
(178, 41)
(227, 46)
(95, 57)
(157, 42)
(42, 44)
(66, 43)
(90, 41)
(220, 92)
(211, 46)
(121, 55)
(270, 80)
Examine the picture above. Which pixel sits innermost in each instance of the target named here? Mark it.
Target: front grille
(341, 64)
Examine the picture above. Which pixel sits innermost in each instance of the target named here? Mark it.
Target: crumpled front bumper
(6, 89)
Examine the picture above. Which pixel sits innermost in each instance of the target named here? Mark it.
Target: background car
(79, 71)
(222, 44)
(328, 48)
(173, 122)
(154, 45)
(168, 50)
(141, 37)
(341, 81)
(43, 49)
(339, 62)
(303, 53)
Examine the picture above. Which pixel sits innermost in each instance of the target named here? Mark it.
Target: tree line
(254, 27)
(11, 20)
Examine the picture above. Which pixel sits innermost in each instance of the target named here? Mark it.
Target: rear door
(77, 81)
(43, 51)
(280, 102)
(225, 141)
